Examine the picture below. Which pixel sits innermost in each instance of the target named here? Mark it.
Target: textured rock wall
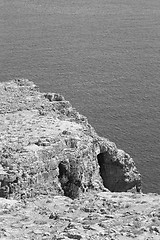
(46, 146)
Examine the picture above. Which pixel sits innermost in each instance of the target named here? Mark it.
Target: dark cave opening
(110, 172)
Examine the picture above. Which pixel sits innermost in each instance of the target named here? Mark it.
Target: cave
(111, 173)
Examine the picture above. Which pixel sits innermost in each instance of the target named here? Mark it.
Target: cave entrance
(108, 171)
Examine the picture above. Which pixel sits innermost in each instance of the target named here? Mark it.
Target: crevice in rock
(69, 184)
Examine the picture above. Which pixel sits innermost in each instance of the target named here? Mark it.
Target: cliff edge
(47, 147)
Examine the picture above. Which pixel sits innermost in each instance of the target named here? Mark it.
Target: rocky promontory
(46, 146)
(59, 180)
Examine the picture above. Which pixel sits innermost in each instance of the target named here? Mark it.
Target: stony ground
(96, 215)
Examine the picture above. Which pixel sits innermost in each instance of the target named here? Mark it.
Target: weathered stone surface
(96, 215)
(46, 146)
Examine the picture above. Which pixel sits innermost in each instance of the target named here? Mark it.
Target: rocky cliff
(47, 147)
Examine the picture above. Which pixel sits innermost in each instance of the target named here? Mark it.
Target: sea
(101, 55)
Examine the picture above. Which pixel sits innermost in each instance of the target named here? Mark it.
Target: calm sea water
(103, 56)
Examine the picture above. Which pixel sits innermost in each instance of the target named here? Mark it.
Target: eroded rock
(47, 147)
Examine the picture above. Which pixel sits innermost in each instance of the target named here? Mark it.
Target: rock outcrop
(46, 146)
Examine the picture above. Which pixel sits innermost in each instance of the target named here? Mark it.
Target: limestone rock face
(46, 146)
